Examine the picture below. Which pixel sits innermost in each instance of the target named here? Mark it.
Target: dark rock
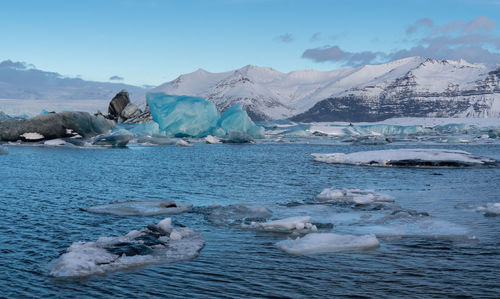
(118, 103)
(55, 125)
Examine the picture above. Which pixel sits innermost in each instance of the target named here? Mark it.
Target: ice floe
(315, 243)
(155, 244)
(238, 214)
(296, 225)
(353, 195)
(212, 140)
(183, 143)
(408, 158)
(142, 208)
(490, 209)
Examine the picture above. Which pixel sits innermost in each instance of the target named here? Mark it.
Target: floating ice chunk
(408, 158)
(181, 116)
(238, 137)
(236, 119)
(4, 150)
(118, 138)
(151, 245)
(327, 242)
(212, 140)
(353, 195)
(183, 143)
(297, 224)
(32, 136)
(490, 209)
(55, 142)
(155, 140)
(238, 214)
(143, 208)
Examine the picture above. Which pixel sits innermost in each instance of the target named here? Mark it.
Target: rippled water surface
(44, 191)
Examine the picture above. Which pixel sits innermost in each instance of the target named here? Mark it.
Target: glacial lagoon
(267, 230)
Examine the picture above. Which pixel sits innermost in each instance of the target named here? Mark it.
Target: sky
(152, 41)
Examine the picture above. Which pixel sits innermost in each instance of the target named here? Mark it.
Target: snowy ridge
(410, 87)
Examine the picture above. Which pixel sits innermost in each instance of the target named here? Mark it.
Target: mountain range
(410, 87)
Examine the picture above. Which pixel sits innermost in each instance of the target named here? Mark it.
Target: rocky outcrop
(55, 125)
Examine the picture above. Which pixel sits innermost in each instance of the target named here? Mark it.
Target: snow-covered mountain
(412, 86)
(22, 81)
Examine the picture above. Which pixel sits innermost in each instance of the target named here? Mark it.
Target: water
(43, 192)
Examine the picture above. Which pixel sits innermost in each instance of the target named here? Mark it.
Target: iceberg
(296, 225)
(408, 158)
(236, 119)
(118, 138)
(185, 116)
(141, 208)
(155, 244)
(353, 195)
(315, 243)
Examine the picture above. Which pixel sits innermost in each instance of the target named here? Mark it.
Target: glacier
(185, 116)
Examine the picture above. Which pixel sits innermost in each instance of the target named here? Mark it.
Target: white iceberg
(315, 243)
(156, 244)
(353, 195)
(297, 224)
(408, 158)
(142, 208)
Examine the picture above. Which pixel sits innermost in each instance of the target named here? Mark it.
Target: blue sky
(153, 41)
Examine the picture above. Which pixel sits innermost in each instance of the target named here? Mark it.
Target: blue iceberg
(182, 116)
(236, 119)
(185, 116)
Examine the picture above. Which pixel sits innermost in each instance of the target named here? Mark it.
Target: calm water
(42, 192)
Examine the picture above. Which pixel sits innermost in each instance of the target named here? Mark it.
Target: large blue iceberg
(181, 116)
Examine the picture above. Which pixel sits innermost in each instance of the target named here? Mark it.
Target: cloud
(424, 22)
(315, 37)
(473, 41)
(116, 78)
(336, 54)
(285, 38)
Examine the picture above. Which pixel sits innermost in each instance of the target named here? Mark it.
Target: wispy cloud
(116, 78)
(474, 41)
(285, 38)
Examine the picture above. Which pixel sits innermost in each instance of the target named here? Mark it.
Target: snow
(142, 208)
(152, 245)
(315, 243)
(407, 158)
(300, 224)
(353, 195)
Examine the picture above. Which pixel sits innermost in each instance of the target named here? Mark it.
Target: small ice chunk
(408, 158)
(142, 208)
(357, 196)
(183, 143)
(490, 209)
(165, 225)
(54, 142)
(32, 136)
(314, 243)
(300, 224)
(212, 140)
